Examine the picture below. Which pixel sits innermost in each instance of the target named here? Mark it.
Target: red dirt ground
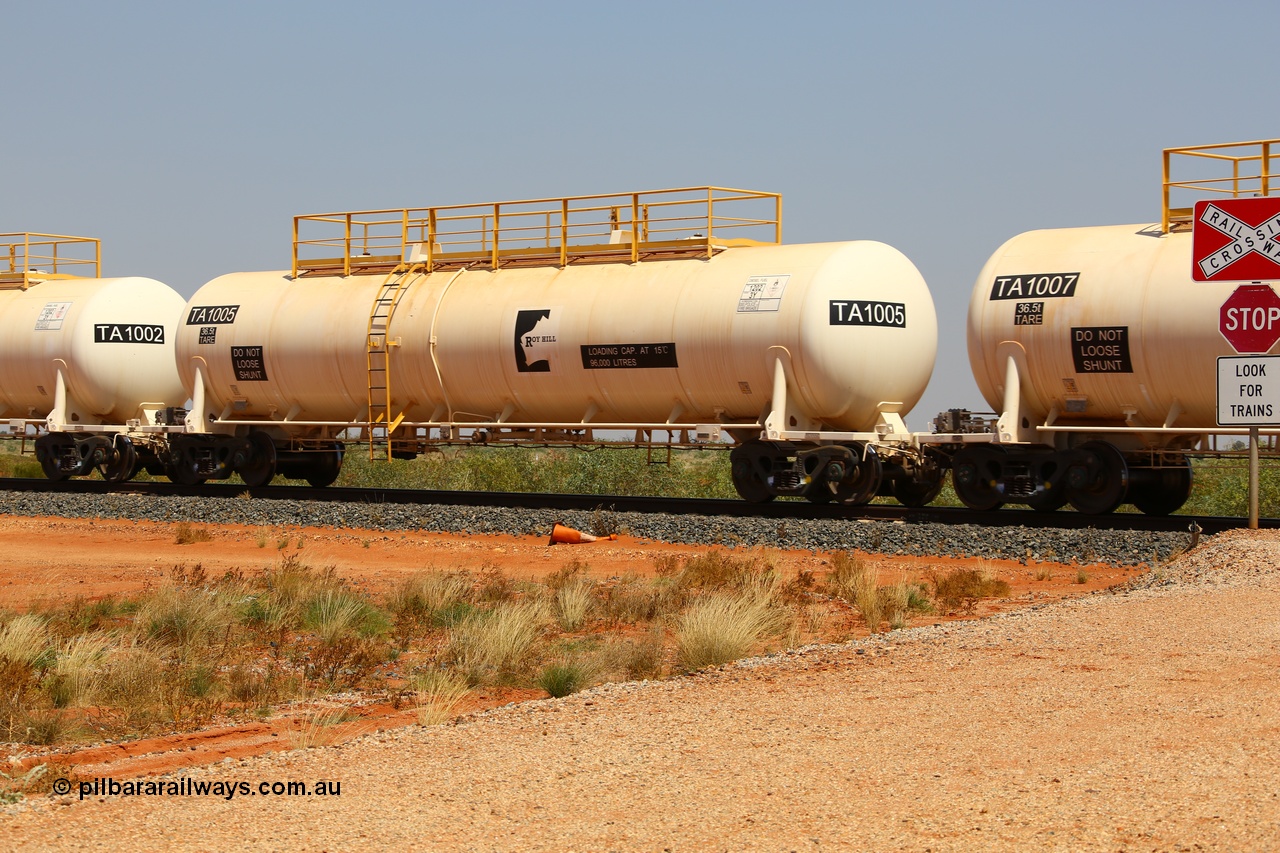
(46, 560)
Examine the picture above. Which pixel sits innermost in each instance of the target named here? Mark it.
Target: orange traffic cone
(562, 535)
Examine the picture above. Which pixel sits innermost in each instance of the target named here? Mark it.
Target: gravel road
(1141, 720)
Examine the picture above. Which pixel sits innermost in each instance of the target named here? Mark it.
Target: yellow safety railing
(1251, 168)
(620, 227)
(27, 257)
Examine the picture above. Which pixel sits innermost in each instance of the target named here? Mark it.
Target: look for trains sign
(1236, 239)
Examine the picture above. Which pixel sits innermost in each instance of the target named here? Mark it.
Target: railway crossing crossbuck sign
(1236, 239)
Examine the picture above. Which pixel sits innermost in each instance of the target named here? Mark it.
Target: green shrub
(622, 471)
(563, 677)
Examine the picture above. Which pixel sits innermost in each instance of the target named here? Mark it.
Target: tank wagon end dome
(107, 341)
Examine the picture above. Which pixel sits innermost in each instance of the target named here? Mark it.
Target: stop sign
(1250, 318)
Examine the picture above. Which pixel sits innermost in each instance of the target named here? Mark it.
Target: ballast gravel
(1143, 718)
(1116, 547)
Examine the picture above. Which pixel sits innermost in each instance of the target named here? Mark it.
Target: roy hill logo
(535, 340)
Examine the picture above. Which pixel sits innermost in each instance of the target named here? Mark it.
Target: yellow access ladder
(378, 353)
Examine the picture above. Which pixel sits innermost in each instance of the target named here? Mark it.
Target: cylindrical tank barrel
(111, 338)
(1110, 328)
(685, 340)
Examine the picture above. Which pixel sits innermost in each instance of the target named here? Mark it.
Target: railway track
(785, 509)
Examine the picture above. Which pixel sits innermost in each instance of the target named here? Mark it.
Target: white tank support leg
(776, 423)
(1015, 423)
(57, 420)
(195, 421)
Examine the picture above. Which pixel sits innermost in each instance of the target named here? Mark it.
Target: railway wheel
(50, 451)
(324, 467)
(830, 483)
(920, 492)
(821, 492)
(1098, 479)
(863, 483)
(122, 463)
(261, 464)
(748, 479)
(1160, 491)
(181, 467)
(976, 473)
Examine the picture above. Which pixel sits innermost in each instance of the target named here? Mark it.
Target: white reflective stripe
(1245, 239)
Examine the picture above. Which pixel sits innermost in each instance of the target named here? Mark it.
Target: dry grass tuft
(724, 626)
(853, 580)
(185, 534)
(426, 600)
(573, 603)
(319, 728)
(722, 569)
(25, 640)
(962, 589)
(438, 694)
(497, 642)
(78, 670)
(185, 618)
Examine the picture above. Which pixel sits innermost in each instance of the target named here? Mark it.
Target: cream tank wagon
(666, 318)
(86, 363)
(1099, 350)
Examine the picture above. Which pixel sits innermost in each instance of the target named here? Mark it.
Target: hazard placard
(1236, 239)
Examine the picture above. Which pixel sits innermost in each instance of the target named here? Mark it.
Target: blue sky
(186, 135)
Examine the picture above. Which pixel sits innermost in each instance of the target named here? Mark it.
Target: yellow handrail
(27, 257)
(1262, 182)
(632, 227)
